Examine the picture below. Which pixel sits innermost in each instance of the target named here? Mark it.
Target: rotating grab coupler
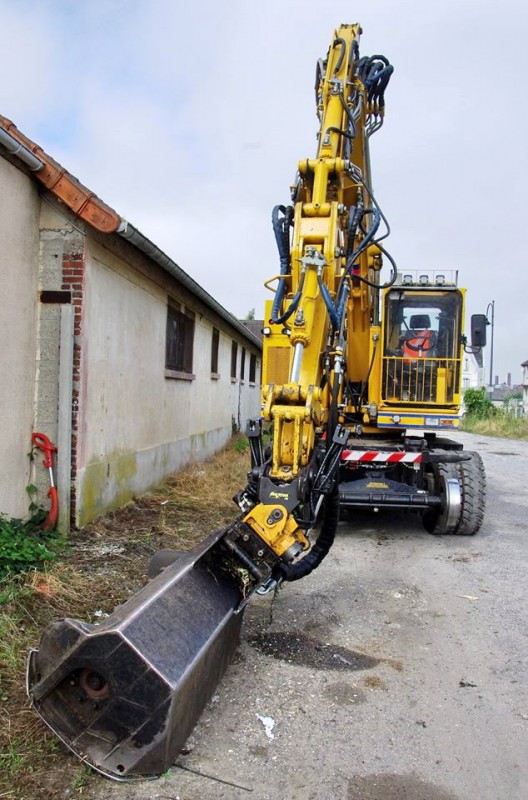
(268, 540)
(268, 534)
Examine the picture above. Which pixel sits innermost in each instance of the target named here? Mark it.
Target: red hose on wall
(43, 443)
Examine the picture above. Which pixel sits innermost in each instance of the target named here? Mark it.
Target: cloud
(191, 119)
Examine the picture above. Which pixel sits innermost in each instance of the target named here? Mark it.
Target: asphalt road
(396, 671)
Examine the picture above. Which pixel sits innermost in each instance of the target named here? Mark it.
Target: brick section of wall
(73, 277)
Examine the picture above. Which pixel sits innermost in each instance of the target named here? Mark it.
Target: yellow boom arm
(305, 332)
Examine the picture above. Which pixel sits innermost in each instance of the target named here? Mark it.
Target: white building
(472, 370)
(108, 346)
(524, 366)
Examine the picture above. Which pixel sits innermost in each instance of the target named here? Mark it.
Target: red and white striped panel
(381, 456)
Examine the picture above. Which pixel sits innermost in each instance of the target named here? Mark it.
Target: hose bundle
(282, 219)
(375, 73)
(325, 540)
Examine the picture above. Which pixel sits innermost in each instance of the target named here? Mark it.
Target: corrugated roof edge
(101, 216)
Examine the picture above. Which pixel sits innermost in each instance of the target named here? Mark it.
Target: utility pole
(492, 323)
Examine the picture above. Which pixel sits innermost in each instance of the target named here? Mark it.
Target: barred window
(252, 368)
(180, 338)
(214, 351)
(242, 363)
(234, 353)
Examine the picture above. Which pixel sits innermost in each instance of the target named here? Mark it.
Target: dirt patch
(463, 558)
(395, 787)
(344, 694)
(374, 682)
(301, 650)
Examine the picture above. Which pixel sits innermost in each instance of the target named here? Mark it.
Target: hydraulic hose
(346, 134)
(342, 45)
(350, 117)
(394, 272)
(355, 215)
(329, 303)
(358, 177)
(292, 307)
(281, 227)
(325, 540)
(344, 291)
(378, 89)
(354, 53)
(375, 72)
(367, 239)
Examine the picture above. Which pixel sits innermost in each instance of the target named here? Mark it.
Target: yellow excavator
(361, 384)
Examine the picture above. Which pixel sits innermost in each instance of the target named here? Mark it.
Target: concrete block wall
(137, 424)
(19, 248)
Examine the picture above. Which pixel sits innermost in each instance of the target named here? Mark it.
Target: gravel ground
(396, 671)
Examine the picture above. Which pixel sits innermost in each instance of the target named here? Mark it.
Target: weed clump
(24, 545)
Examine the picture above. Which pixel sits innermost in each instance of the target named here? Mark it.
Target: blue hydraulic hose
(341, 306)
(291, 308)
(280, 229)
(329, 303)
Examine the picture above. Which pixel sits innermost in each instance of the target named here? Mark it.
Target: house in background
(108, 346)
(256, 326)
(524, 366)
(507, 396)
(472, 370)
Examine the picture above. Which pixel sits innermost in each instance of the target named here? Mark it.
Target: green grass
(241, 444)
(13, 759)
(82, 778)
(499, 424)
(24, 545)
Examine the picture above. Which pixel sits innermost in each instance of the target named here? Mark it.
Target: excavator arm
(125, 694)
(328, 282)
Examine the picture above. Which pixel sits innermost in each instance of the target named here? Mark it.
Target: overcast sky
(190, 119)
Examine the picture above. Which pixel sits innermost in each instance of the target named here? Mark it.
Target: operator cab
(421, 339)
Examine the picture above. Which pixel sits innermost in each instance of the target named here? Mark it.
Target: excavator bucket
(125, 694)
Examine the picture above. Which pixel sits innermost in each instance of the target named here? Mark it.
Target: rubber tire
(433, 521)
(472, 479)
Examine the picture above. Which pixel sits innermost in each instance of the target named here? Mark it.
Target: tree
(477, 403)
(250, 314)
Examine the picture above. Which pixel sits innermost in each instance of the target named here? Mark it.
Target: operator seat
(419, 341)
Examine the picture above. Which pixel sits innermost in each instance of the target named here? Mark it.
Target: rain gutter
(15, 148)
